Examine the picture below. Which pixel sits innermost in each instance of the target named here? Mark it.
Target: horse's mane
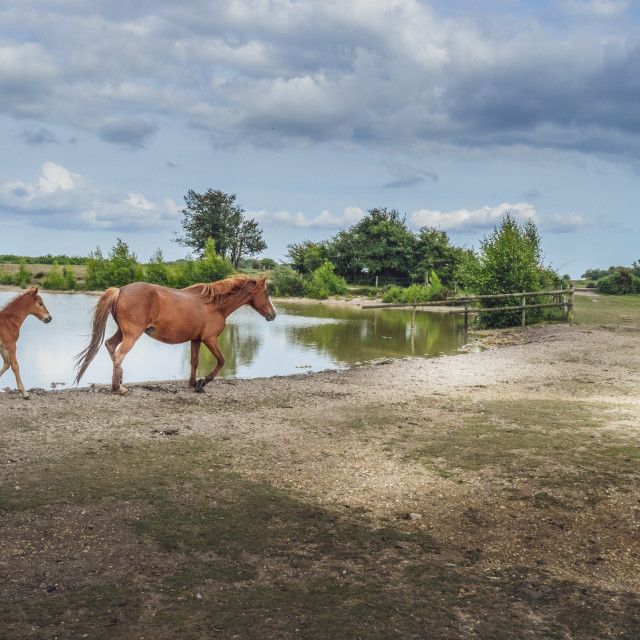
(217, 293)
(10, 303)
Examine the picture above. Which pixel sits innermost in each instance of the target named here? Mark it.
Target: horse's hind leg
(118, 354)
(112, 344)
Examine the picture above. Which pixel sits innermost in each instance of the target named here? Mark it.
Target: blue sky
(313, 112)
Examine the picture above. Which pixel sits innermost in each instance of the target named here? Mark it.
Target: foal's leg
(11, 360)
(195, 358)
(6, 360)
(212, 345)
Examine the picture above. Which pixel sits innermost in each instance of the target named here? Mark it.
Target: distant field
(606, 310)
(39, 271)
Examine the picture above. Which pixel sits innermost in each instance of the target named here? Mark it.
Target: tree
(510, 261)
(157, 270)
(124, 267)
(379, 243)
(307, 256)
(248, 242)
(435, 252)
(215, 215)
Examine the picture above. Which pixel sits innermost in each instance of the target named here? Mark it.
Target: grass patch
(537, 441)
(606, 310)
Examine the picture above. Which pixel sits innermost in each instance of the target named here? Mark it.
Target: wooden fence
(559, 294)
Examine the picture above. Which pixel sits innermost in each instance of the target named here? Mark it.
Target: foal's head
(260, 300)
(37, 306)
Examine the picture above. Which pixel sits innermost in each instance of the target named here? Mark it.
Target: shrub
(97, 275)
(212, 267)
(324, 283)
(54, 279)
(157, 271)
(286, 282)
(393, 294)
(69, 278)
(436, 290)
(510, 261)
(621, 283)
(415, 293)
(23, 277)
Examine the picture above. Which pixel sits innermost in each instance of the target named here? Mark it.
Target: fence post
(466, 317)
(570, 307)
(376, 282)
(524, 313)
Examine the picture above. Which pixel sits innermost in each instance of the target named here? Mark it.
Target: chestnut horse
(12, 315)
(197, 314)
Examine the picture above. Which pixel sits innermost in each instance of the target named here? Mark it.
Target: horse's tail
(106, 306)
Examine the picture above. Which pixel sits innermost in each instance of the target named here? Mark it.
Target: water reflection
(309, 337)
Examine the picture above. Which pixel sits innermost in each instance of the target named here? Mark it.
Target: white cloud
(62, 199)
(478, 219)
(56, 178)
(324, 220)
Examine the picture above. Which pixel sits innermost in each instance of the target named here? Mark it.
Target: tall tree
(380, 242)
(435, 252)
(307, 256)
(215, 215)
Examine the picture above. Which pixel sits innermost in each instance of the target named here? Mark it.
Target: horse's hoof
(25, 396)
(200, 386)
(123, 391)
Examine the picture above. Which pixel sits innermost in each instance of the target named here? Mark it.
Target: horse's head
(261, 302)
(38, 309)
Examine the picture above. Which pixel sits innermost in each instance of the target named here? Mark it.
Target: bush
(69, 278)
(621, 283)
(23, 277)
(97, 275)
(416, 292)
(54, 279)
(393, 294)
(157, 271)
(324, 283)
(510, 261)
(286, 282)
(212, 267)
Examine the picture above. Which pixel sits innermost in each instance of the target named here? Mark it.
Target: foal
(12, 315)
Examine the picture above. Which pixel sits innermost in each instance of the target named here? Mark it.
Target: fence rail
(560, 294)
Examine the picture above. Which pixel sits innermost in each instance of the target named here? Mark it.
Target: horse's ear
(33, 291)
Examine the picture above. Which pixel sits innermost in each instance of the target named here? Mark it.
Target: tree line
(379, 246)
(615, 280)
(509, 260)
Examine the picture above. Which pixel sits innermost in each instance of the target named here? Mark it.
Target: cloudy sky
(313, 112)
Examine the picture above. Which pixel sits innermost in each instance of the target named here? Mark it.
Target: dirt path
(519, 463)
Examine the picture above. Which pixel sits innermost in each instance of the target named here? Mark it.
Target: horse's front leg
(212, 345)
(195, 359)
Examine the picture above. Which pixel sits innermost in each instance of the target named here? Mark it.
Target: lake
(304, 337)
